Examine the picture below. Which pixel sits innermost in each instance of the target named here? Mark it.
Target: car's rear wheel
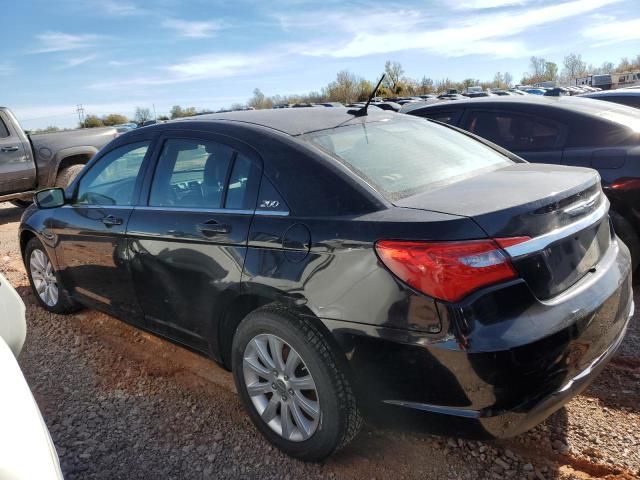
(45, 281)
(292, 386)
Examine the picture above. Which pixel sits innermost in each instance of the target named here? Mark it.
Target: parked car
(394, 107)
(535, 91)
(564, 130)
(32, 162)
(556, 92)
(26, 449)
(627, 96)
(456, 282)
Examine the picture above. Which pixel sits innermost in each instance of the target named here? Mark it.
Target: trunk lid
(562, 209)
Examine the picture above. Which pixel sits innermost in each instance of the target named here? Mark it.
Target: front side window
(514, 132)
(112, 180)
(191, 174)
(406, 155)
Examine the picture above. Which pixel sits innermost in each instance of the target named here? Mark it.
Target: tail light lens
(449, 270)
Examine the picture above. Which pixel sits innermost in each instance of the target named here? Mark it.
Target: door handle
(110, 221)
(212, 228)
(12, 148)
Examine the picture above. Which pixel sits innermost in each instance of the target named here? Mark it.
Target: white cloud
(193, 29)
(491, 34)
(6, 69)
(613, 32)
(62, 42)
(74, 62)
(486, 4)
(123, 63)
(195, 68)
(119, 8)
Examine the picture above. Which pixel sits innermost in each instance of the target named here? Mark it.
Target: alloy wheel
(44, 277)
(281, 387)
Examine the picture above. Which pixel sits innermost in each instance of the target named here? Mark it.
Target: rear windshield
(404, 156)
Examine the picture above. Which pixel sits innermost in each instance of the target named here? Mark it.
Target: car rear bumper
(505, 360)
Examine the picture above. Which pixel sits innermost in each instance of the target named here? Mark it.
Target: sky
(114, 55)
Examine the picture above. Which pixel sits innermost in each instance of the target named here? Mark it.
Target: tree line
(349, 87)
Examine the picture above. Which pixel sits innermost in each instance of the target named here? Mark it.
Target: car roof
(576, 104)
(613, 93)
(296, 121)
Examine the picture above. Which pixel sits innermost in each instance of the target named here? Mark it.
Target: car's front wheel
(45, 281)
(292, 386)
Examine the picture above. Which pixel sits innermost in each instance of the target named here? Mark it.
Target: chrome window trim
(97, 206)
(543, 241)
(181, 209)
(275, 213)
(194, 210)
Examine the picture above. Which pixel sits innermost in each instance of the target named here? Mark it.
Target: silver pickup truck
(29, 163)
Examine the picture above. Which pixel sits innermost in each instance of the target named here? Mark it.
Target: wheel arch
(249, 301)
(67, 157)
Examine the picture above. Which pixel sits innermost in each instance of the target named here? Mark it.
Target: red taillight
(626, 183)
(448, 270)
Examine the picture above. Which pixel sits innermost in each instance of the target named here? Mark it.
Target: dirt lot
(124, 404)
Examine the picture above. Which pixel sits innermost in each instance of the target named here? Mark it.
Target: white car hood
(13, 326)
(26, 449)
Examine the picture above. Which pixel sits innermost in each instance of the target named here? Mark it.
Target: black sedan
(567, 131)
(624, 96)
(338, 262)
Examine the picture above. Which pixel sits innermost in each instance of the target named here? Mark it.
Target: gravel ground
(122, 404)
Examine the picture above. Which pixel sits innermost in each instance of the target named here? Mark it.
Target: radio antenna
(361, 112)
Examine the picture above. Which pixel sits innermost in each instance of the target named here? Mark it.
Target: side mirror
(49, 198)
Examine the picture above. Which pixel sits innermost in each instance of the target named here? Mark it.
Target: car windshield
(400, 158)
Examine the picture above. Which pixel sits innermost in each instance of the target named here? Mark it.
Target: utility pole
(155, 117)
(80, 110)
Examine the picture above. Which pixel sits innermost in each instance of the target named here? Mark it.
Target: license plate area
(561, 264)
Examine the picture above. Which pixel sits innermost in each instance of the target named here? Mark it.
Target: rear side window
(514, 131)
(191, 174)
(406, 155)
(4, 132)
(112, 180)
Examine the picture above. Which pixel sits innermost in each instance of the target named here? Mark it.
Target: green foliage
(92, 121)
(114, 119)
(178, 112)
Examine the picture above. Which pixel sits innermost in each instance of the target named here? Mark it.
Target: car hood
(26, 449)
(13, 326)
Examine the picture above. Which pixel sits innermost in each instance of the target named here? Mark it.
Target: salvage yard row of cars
(461, 263)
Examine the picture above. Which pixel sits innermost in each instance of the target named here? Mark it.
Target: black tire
(67, 175)
(21, 203)
(629, 236)
(64, 303)
(339, 419)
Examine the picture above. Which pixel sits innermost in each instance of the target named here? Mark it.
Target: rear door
(91, 230)
(189, 241)
(17, 169)
(531, 137)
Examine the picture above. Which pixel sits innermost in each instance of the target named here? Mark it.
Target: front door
(17, 169)
(188, 244)
(91, 232)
